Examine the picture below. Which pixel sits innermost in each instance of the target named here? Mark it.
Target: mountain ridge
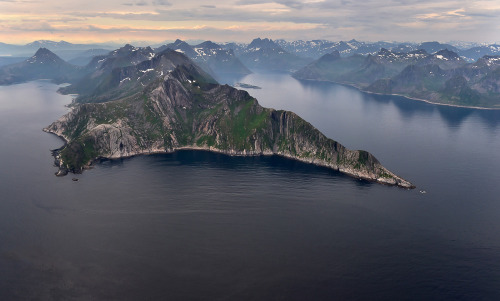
(441, 78)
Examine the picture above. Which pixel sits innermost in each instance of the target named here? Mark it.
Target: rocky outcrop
(181, 112)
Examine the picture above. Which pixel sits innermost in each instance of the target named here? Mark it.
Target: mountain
(8, 60)
(237, 48)
(118, 74)
(404, 47)
(211, 57)
(43, 65)
(126, 56)
(331, 67)
(445, 81)
(179, 46)
(442, 77)
(445, 59)
(61, 45)
(50, 44)
(264, 54)
(185, 109)
(63, 49)
(85, 57)
(477, 52)
(309, 49)
(317, 48)
(357, 69)
(218, 59)
(432, 47)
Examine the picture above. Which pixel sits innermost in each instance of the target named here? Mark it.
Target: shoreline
(399, 95)
(64, 171)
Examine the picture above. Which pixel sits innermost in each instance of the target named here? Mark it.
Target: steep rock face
(178, 112)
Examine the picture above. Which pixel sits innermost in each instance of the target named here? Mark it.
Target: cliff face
(178, 111)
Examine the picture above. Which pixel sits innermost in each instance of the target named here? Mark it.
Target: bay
(197, 225)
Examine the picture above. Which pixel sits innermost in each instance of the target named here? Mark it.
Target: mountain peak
(384, 52)
(48, 43)
(43, 55)
(43, 51)
(179, 42)
(447, 55)
(209, 45)
(329, 57)
(123, 50)
(488, 60)
(262, 43)
(128, 47)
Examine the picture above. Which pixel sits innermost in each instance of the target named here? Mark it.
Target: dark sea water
(203, 226)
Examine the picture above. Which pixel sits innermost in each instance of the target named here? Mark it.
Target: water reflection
(225, 162)
(407, 108)
(489, 117)
(454, 116)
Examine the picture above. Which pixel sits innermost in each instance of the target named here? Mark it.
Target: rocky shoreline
(63, 170)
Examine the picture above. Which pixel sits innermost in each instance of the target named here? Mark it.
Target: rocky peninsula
(184, 109)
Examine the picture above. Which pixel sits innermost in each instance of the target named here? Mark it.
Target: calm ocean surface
(202, 226)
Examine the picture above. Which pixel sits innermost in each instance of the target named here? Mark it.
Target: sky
(155, 21)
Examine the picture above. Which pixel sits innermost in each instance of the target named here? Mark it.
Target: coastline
(396, 180)
(400, 95)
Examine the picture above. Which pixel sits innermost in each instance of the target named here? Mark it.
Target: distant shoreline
(405, 96)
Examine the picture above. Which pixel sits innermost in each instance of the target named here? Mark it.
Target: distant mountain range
(265, 54)
(317, 48)
(211, 57)
(441, 77)
(43, 65)
(431, 73)
(80, 54)
(63, 49)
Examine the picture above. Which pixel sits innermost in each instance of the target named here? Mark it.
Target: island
(183, 107)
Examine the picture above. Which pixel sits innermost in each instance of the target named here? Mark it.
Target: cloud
(288, 3)
(345, 19)
(29, 26)
(162, 3)
(145, 3)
